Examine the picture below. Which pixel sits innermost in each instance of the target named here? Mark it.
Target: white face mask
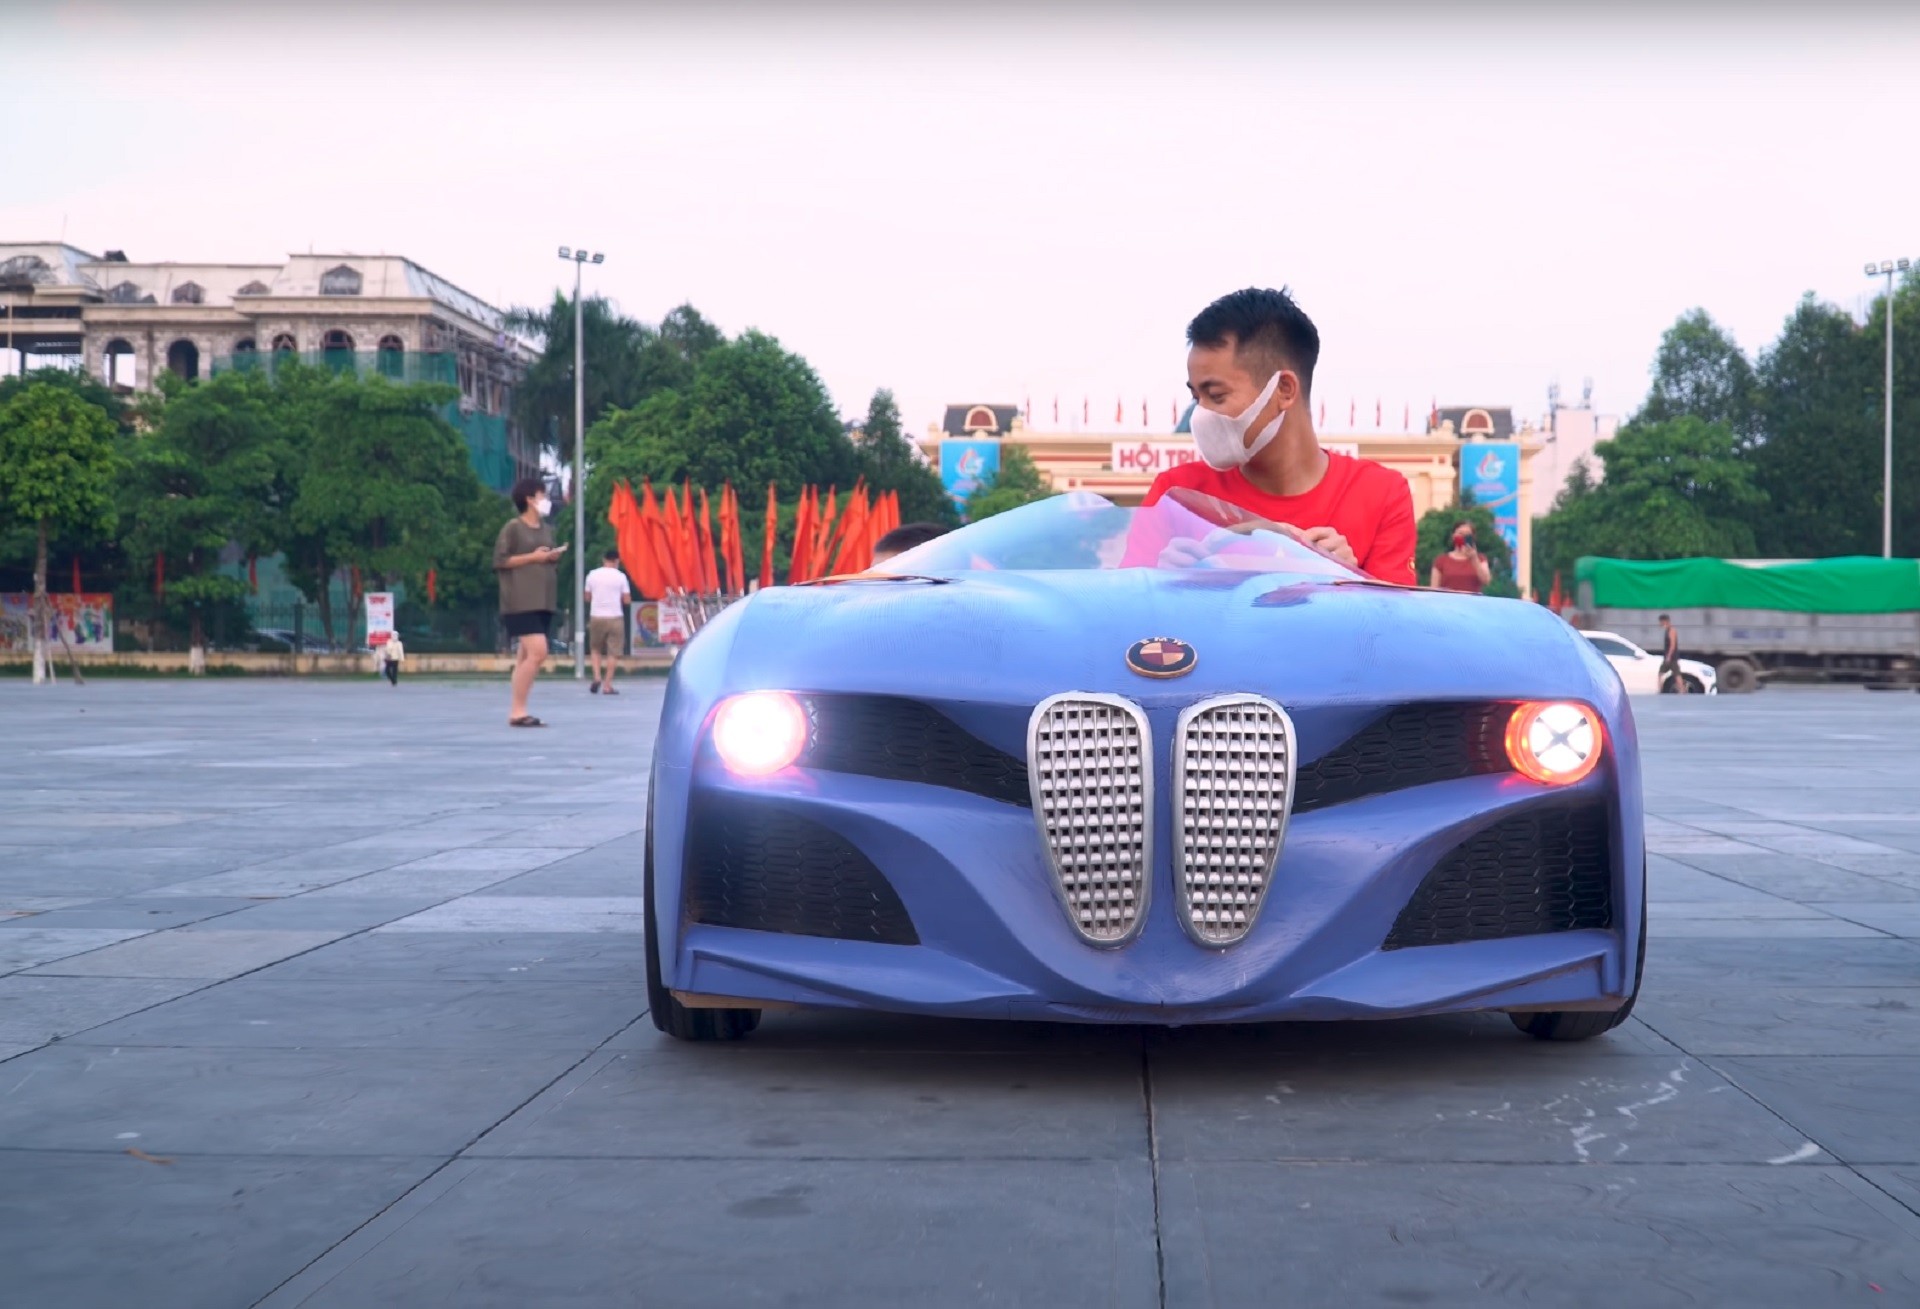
(1222, 438)
(543, 506)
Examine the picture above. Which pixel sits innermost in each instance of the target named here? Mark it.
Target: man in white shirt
(607, 593)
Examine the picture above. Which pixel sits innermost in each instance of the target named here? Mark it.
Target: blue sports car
(1095, 764)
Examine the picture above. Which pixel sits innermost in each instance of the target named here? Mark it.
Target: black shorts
(531, 622)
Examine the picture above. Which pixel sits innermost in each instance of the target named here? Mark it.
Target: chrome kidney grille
(1233, 769)
(1091, 773)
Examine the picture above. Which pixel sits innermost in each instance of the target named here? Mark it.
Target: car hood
(1018, 637)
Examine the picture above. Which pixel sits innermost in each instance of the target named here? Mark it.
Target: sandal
(525, 720)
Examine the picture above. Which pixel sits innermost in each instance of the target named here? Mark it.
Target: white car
(1640, 671)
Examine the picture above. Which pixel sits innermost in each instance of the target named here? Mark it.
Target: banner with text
(1490, 471)
(1152, 458)
(85, 620)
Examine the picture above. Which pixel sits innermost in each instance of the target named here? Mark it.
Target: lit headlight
(1554, 741)
(760, 732)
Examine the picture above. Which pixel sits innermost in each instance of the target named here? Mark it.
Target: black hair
(1665, 619)
(611, 556)
(906, 536)
(524, 490)
(1267, 329)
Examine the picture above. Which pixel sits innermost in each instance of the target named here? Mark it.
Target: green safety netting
(1852, 584)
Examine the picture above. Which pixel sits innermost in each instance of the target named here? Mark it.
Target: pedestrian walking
(608, 592)
(526, 561)
(1461, 567)
(388, 656)
(1671, 683)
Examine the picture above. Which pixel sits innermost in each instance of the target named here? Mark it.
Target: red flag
(1056, 409)
(1144, 420)
(1433, 419)
(1556, 599)
(1086, 410)
(160, 575)
(433, 594)
(766, 542)
(817, 557)
(1175, 411)
(76, 573)
(736, 583)
(709, 567)
(854, 555)
(253, 575)
(1376, 413)
(1353, 413)
(633, 538)
(802, 537)
(1119, 412)
(1406, 419)
(1026, 410)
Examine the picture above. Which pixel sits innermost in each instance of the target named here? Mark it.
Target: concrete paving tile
(25, 906)
(1899, 919)
(265, 1102)
(1860, 1108)
(1471, 1108)
(152, 912)
(1676, 883)
(435, 884)
(308, 914)
(1765, 907)
(549, 913)
(1668, 926)
(488, 859)
(35, 1010)
(28, 947)
(1680, 845)
(1902, 1183)
(863, 1104)
(201, 1232)
(1378, 1234)
(287, 1012)
(505, 1234)
(1876, 865)
(187, 952)
(1707, 966)
(462, 956)
(1807, 1020)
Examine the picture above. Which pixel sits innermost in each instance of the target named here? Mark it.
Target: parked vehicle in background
(1853, 619)
(1640, 671)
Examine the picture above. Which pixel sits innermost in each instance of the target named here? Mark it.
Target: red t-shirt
(1368, 503)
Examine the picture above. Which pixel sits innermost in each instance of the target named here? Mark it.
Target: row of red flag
(1353, 413)
(665, 546)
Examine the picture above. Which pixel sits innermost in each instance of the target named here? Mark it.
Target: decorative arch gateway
(980, 418)
(1476, 422)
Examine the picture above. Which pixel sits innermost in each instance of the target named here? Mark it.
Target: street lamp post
(579, 258)
(1887, 268)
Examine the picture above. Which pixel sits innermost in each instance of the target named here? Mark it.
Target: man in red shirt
(1250, 369)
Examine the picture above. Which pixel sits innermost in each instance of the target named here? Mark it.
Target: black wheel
(669, 1015)
(1694, 686)
(1584, 1024)
(1737, 677)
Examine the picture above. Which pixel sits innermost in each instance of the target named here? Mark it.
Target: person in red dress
(1250, 369)
(1462, 568)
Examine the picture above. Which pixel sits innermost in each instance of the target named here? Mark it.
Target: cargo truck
(1852, 619)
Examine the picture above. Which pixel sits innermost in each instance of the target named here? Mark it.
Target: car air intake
(1549, 869)
(1233, 770)
(1087, 758)
(904, 740)
(1411, 746)
(758, 867)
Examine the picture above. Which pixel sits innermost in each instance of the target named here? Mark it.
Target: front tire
(669, 1015)
(1585, 1024)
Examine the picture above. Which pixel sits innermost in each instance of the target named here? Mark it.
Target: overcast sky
(991, 204)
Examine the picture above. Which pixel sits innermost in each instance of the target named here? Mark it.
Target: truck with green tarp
(1854, 619)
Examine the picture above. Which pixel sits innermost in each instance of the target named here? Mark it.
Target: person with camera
(1462, 567)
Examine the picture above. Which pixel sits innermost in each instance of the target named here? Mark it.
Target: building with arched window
(127, 322)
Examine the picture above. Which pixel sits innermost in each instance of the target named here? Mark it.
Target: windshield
(1081, 531)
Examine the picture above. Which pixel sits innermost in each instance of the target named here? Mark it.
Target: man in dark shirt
(1670, 680)
(527, 564)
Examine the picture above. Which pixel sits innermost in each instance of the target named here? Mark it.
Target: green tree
(58, 462)
(1700, 372)
(1671, 490)
(213, 471)
(890, 463)
(1434, 536)
(385, 485)
(1017, 483)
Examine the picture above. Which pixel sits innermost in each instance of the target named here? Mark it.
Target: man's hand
(1330, 542)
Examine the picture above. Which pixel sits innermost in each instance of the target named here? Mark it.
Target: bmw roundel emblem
(1161, 656)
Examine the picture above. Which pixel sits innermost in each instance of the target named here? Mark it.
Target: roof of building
(1479, 422)
(44, 263)
(979, 420)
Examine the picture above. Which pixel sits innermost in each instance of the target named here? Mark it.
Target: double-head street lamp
(579, 258)
(1887, 268)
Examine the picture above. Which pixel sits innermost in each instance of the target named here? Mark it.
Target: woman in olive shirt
(527, 564)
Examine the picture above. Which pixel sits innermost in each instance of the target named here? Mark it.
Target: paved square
(331, 994)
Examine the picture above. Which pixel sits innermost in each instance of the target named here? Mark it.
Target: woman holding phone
(1462, 567)
(526, 561)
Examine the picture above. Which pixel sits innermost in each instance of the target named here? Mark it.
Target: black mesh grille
(1546, 870)
(905, 741)
(756, 867)
(1413, 745)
